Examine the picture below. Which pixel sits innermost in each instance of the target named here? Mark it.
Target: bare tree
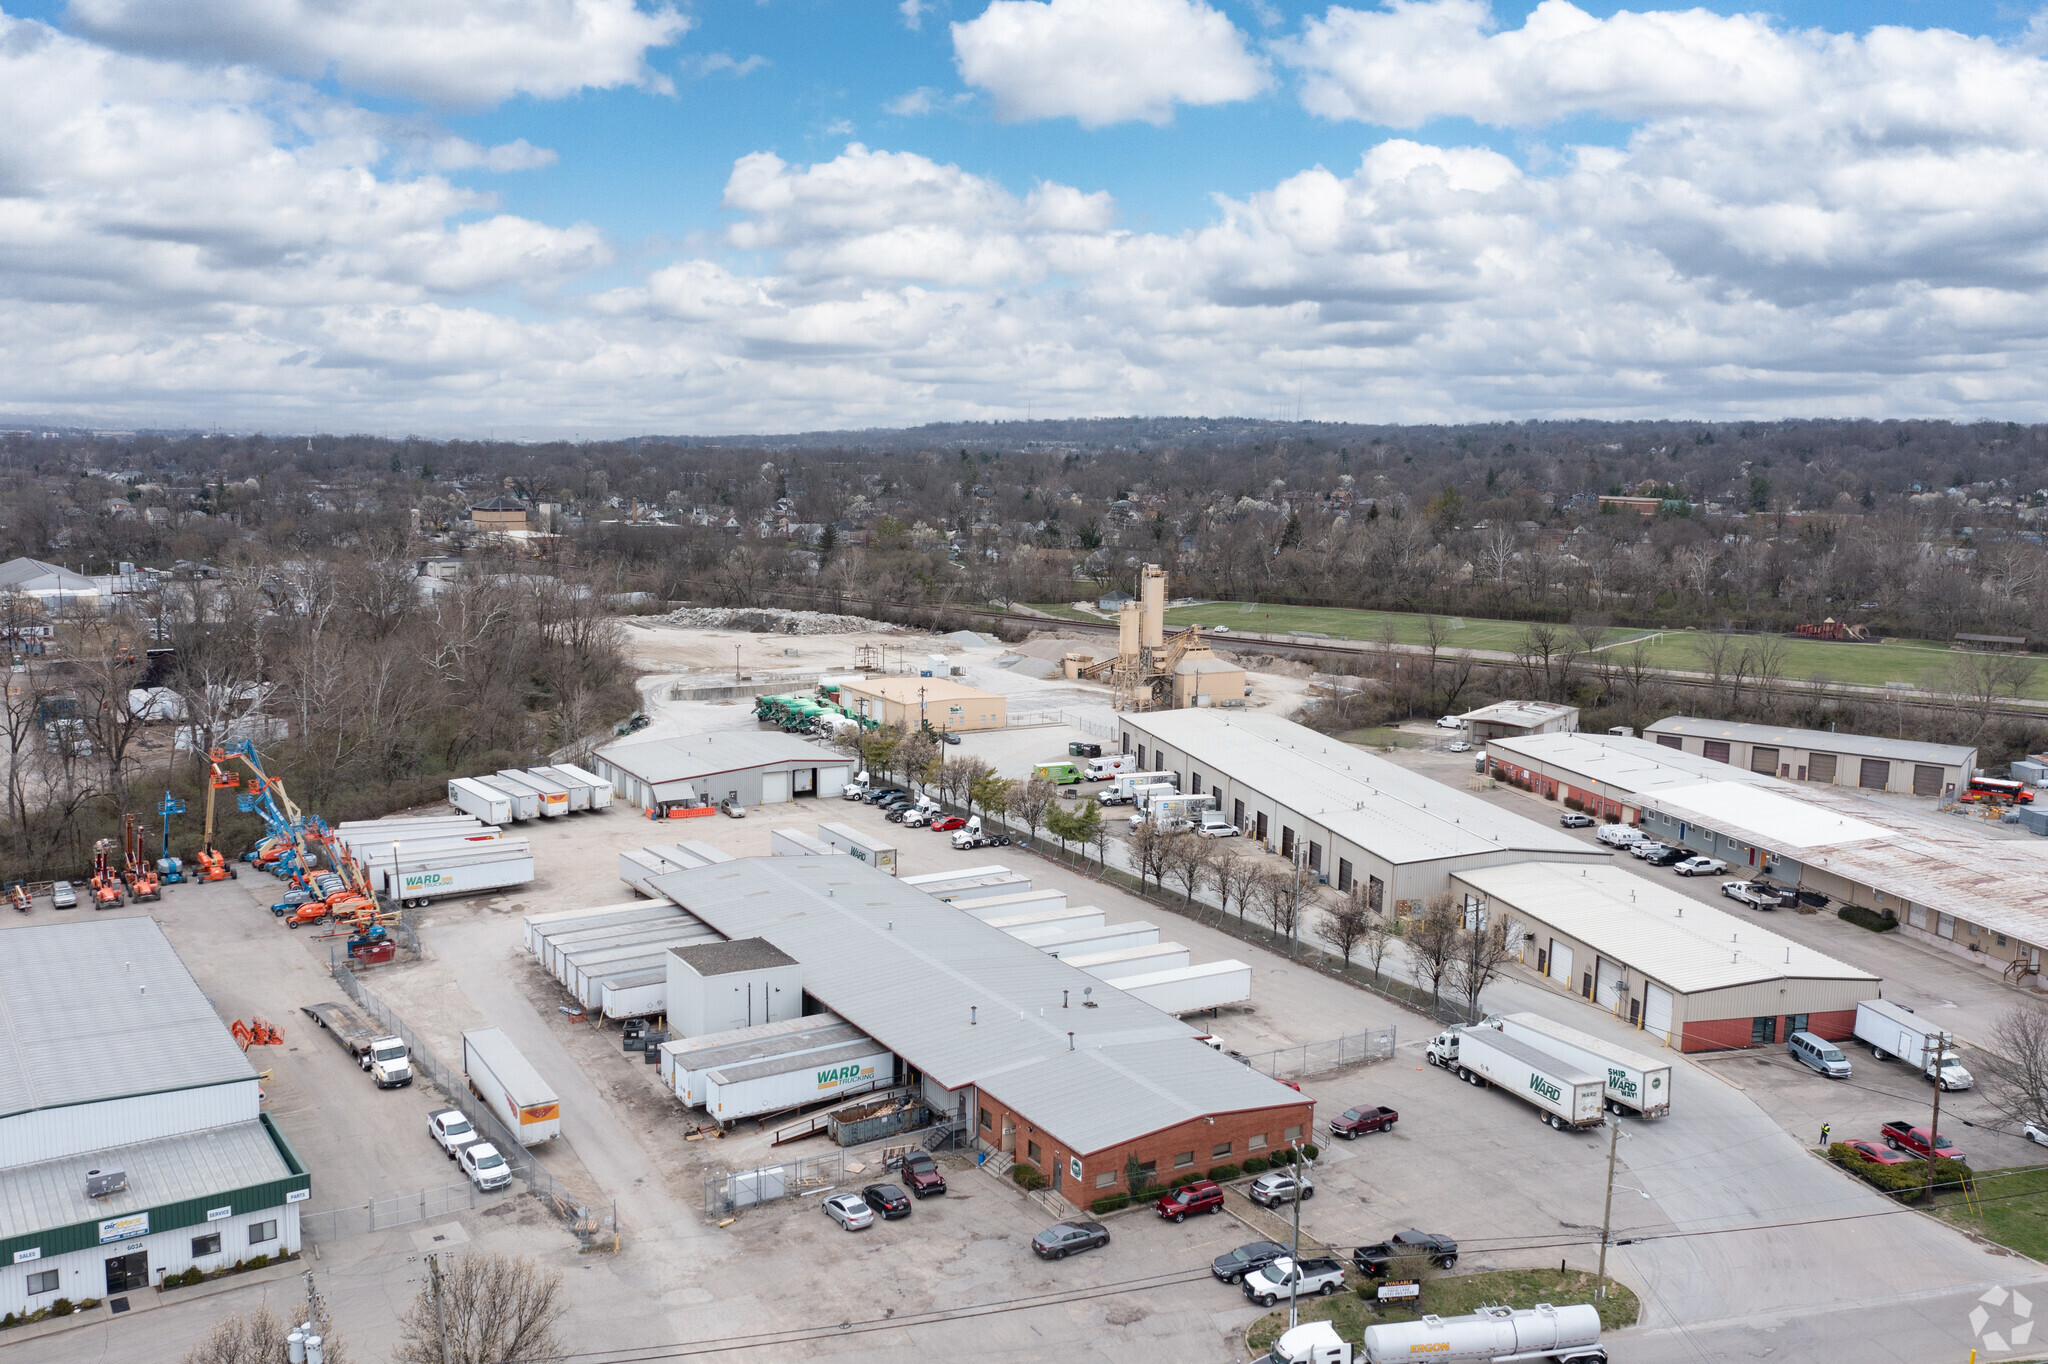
(1278, 898)
(1149, 851)
(1235, 875)
(1432, 942)
(2019, 1065)
(1190, 861)
(1344, 926)
(258, 1337)
(1376, 939)
(1031, 802)
(1484, 945)
(496, 1308)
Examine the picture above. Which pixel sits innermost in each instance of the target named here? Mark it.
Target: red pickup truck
(1901, 1133)
(1200, 1196)
(1353, 1122)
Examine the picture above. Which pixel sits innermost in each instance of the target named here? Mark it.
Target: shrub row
(1110, 1204)
(1909, 1183)
(1257, 1165)
(1223, 1174)
(1285, 1155)
(1027, 1178)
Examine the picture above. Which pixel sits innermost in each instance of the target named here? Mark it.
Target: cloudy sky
(540, 217)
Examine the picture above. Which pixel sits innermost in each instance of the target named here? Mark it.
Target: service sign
(219, 1214)
(121, 1228)
(1400, 1288)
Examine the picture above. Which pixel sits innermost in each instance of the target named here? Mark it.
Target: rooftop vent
(102, 1183)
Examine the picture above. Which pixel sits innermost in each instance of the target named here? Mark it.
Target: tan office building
(904, 701)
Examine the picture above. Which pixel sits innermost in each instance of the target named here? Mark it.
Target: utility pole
(1607, 1216)
(1301, 1164)
(1934, 1126)
(440, 1308)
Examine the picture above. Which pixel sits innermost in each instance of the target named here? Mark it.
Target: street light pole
(1301, 1166)
(1607, 1216)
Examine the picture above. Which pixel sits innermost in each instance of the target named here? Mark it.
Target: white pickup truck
(1284, 1277)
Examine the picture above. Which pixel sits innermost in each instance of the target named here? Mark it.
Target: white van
(1102, 769)
(1619, 835)
(1823, 1055)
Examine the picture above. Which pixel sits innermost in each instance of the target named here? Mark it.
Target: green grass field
(1339, 622)
(2012, 1209)
(1454, 1295)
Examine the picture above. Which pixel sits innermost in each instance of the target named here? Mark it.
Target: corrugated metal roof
(734, 1073)
(49, 1195)
(787, 1042)
(101, 1009)
(1791, 822)
(657, 761)
(968, 1004)
(1398, 815)
(1618, 765)
(1518, 712)
(1818, 740)
(1668, 936)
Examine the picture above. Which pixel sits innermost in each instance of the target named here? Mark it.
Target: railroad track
(1311, 650)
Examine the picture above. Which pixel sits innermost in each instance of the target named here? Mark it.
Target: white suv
(1280, 1186)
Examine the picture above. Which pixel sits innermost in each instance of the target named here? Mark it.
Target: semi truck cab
(388, 1060)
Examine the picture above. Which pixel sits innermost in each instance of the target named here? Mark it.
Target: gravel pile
(770, 621)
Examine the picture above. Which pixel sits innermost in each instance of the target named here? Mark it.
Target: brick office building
(1029, 1055)
(1692, 976)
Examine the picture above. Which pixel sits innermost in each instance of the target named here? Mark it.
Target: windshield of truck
(394, 1052)
(489, 1161)
(459, 1129)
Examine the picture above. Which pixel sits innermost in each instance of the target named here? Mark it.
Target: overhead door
(1764, 760)
(1607, 984)
(1875, 774)
(1717, 749)
(774, 787)
(1670, 741)
(1561, 962)
(1821, 768)
(1926, 780)
(1657, 1010)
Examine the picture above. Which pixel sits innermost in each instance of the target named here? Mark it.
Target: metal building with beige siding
(1900, 766)
(1688, 974)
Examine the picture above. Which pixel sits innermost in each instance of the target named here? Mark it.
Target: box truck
(1102, 769)
(1124, 790)
(475, 798)
(1493, 1335)
(1564, 1096)
(859, 846)
(510, 1087)
(1636, 1083)
(1895, 1030)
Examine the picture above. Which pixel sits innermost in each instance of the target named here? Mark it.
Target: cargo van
(1102, 769)
(1823, 1055)
(1061, 773)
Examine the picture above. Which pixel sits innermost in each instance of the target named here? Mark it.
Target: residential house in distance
(499, 516)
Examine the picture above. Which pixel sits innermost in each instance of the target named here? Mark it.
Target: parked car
(1745, 892)
(1062, 1239)
(921, 1173)
(450, 1130)
(1232, 1266)
(947, 736)
(881, 793)
(1701, 866)
(2036, 1134)
(850, 1211)
(1459, 746)
(1275, 1187)
(484, 1166)
(1353, 1123)
(1450, 722)
(62, 895)
(1619, 835)
(1201, 1196)
(1819, 1054)
(1646, 847)
(1373, 1260)
(1572, 819)
(945, 824)
(1670, 857)
(1294, 1278)
(1874, 1153)
(1900, 1134)
(887, 1200)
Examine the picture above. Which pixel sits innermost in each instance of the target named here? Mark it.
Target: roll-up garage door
(1764, 760)
(1607, 983)
(1926, 780)
(774, 787)
(1821, 768)
(1656, 1010)
(1875, 775)
(1561, 962)
(1717, 750)
(1670, 741)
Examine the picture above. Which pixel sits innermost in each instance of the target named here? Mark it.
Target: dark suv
(922, 1174)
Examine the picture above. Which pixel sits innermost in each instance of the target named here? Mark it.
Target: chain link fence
(381, 1214)
(1320, 1058)
(728, 1193)
(592, 1226)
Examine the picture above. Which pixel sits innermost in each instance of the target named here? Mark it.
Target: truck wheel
(1878, 1052)
(1447, 1262)
(1556, 1123)
(1478, 1081)
(1180, 1217)
(1267, 1299)
(1326, 1290)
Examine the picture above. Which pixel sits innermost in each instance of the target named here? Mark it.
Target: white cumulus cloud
(447, 52)
(1105, 61)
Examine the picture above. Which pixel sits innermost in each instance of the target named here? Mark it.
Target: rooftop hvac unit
(102, 1183)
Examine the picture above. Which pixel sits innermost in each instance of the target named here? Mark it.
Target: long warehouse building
(737, 766)
(1357, 817)
(1038, 1059)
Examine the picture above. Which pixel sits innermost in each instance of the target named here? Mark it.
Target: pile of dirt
(762, 620)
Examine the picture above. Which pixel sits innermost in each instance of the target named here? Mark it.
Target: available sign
(1400, 1288)
(121, 1228)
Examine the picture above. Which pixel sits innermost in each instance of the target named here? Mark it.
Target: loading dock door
(1821, 768)
(774, 787)
(1608, 989)
(1926, 780)
(1875, 774)
(1716, 749)
(1764, 760)
(1657, 1010)
(1561, 962)
(804, 781)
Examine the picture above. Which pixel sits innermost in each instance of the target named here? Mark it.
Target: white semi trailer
(493, 866)
(525, 801)
(1636, 1083)
(485, 802)
(551, 800)
(1564, 1096)
(510, 1087)
(601, 792)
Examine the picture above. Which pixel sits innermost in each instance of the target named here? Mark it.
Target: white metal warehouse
(1868, 761)
(1358, 817)
(1693, 976)
(112, 1062)
(741, 766)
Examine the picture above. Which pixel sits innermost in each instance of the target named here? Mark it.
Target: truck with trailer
(1636, 1083)
(1564, 1096)
(1493, 1335)
(486, 803)
(381, 1054)
(510, 1087)
(1895, 1030)
(1124, 789)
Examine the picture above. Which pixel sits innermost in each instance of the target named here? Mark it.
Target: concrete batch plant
(1021, 1051)
(132, 1144)
(740, 766)
(1354, 817)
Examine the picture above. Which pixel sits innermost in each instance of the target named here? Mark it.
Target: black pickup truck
(1372, 1261)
